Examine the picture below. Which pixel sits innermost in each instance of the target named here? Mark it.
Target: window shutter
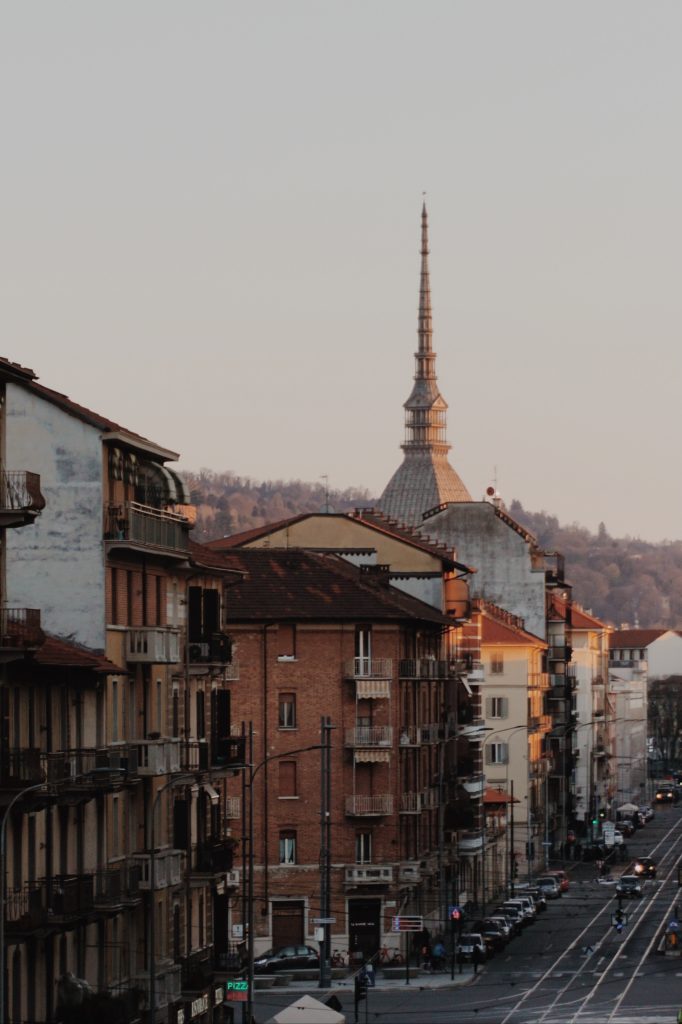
(488, 755)
(488, 707)
(504, 707)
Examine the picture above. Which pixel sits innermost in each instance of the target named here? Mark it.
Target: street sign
(407, 924)
(455, 913)
(324, 920)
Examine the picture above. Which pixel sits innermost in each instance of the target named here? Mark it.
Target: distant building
(425, 477)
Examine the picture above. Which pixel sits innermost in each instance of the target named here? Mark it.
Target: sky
(210, 234)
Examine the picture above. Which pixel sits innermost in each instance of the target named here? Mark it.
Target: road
(570, 967)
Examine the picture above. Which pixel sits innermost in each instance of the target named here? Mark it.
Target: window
(497, 753)
(287, 779)
(287, 847)
(497, 663)
(203, 618)
(287, 710)
(363, 848)
(497, 707)
(114, 708)
(286, 640)
(363, 650)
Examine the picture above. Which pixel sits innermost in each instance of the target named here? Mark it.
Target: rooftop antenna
(326, 493)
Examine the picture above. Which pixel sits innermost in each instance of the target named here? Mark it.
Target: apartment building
(317, 636)
(120, 856)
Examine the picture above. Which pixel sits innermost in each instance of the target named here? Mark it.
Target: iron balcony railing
(20, 491)
(118, 884)
(369, 668)
(20, 628)
(426, 668)
(20, 767)
(369, 736)
(156, 645)
(359, 805)
(411, 803)
(89, 766)
(147, 526)
(49, 900)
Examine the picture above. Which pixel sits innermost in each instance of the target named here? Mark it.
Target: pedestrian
(477, 957)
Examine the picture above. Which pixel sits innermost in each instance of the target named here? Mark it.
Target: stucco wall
(500, 555)
(664, 656)
(57, 564)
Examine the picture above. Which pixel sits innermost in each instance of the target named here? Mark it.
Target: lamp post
(181, 780)
(3, 848)
(253, 771)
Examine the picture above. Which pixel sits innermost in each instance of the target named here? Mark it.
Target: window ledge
(288, 798)
(286, 657)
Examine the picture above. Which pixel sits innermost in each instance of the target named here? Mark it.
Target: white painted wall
(664, 656)
(57, 564)
(500, 555)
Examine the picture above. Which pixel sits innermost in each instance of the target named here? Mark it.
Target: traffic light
(361, 982)
(595, 821)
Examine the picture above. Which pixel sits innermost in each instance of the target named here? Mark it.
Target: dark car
(667, 795)
(645, 867)
(492, 933)
(630, 886)
(286, 958)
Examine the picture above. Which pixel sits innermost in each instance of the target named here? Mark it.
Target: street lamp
(180, 780)
(3, 849)
(253, 771)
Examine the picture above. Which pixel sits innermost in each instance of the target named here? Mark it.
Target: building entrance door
(287, 923)
(364, 926)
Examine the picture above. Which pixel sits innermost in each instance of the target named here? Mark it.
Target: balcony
(431, 733)
(368, 668)
(410, 736)
(153, 645)
(141, 527)
(425, 668)
(54, 902)
(370, 736)
(410, 871)
(472, 730)
(476, 673)
(89, 768)
(411, 803)
(430, 798)
(369, 874)
(20, 768)
(559, 652)
(20, 629)
(167, 869)
(118, 886)
(213, 856)
(214, 650)
(197, 971)
(475, 785)
(157, 757)
(20, 498)
(361, 806)
(470, 842)
(167, 983)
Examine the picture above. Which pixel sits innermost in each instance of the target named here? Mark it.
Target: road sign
(455, 913)
(407, 924)
(324, 920)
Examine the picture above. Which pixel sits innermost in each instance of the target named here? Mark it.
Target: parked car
(645, 867)
(505, 925)
(528, 912)
(493, 936)
(538, 897)
(562, 878)
(286, 958)
(630, 886)
(469, 941)
(514, 915)
(647, 812)
(549, 885)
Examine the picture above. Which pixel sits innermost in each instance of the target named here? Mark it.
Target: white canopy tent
(307, 1010)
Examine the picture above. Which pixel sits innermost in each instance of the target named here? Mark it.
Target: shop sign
(218, 995)
(236, 991)
(198, 1006)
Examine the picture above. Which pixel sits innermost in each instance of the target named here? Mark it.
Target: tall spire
(425, 409)
(425, 478)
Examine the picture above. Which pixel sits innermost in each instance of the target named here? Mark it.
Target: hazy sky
(210, 232)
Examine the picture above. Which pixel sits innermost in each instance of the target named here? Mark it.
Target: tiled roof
(580, 619)
(498, 796)
(206, 556)
(637, 637)
(299, 585)
(495, 632)
(28, 380)
(57, 653)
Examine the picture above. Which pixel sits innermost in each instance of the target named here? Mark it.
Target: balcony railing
(410, 736)
(359, 805)
(118, 885)
(90, 767)
(157, 757)
(369, 736)
(57, 900)
(20, 497)
(470, 842)
(430, 798)
(426, 668)
(19, 768)
(369, 668)
(369, 874)
(153, 645)
(213, 856)
(167, 868)
(410, 803)
(146, 526)
(167, 983)
(20, 628)
(233, 808)
(475, 785)
(431, 733)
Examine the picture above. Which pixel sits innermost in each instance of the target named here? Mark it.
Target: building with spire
(425, 478)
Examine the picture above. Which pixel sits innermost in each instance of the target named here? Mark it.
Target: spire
(425, 479)
(425, 409)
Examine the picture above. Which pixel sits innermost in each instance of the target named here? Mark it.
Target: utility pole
(512, 857)
(325, 849)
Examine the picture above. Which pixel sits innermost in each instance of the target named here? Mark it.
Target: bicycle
(391, 957)
(340, 958)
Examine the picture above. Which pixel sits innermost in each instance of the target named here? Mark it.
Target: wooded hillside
(622, 580)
